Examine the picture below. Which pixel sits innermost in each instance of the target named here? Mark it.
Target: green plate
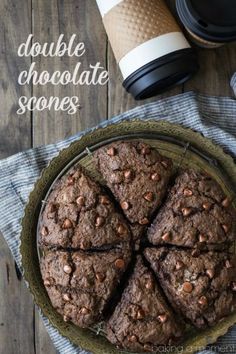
(187, 149)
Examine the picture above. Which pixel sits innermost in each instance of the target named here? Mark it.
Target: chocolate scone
(197, 214)
(79, 214)
(80, 284)
(202, 289)
(137, 176)
(142, 320)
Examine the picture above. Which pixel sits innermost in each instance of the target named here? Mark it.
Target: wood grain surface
(21, 329)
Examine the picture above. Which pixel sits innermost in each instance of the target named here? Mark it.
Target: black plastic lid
(161, 74)
(213, 20)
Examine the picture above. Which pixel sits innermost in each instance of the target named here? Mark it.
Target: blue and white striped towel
(214, 117)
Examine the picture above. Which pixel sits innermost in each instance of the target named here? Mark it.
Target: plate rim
(159, 125)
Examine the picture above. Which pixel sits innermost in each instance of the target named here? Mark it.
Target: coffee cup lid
(161, 74)
(214, 20)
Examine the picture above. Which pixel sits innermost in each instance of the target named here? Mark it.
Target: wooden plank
(14, 129)
(43, 343)
(52, 18)
(82, 18)
(216, 69)
(16, 305)
(16, 308)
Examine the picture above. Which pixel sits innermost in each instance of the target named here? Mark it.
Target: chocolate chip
(104, 200)
(188, 192)
(149, 284)
(65, 197)
(80, 200)
(52, 208)
(65, 318)
(179, 265)
(44, 231)
(140, 314)
(225, 228)
(166, 237)
(116, 178)
(111, 152)
(121, 229)
(67, 224)
(202, 238)
(148, 347)
(128, 174)
(125, 205)
(149, 196)
(164, 164)
(155, 177)
(84, 311)
(47, 282)
(99, 221)
(228, 264)
(210, 273)
(119, 263)
(206, 206)
(226, 203)
(233, 285)
(67, 269)
(66, 297)
(100, 277)
(144, 221)
(70, 181)
(186, 211)
(162, 318)
(195, 253)
(145, 150)
(133, 339)
(187, 287)
(203, 301)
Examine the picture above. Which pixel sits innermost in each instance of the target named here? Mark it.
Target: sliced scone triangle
(81, 284)
(142, 320)
(137, 175)
(202, 288)
(197, 214)
(80, 214)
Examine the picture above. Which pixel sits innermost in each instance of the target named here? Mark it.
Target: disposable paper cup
(148, 44)
(210, 23)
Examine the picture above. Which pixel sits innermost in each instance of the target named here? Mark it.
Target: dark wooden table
(21, 329)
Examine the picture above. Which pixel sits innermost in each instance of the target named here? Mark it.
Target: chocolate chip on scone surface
(196, 214)
(80, 214)
(80, 284)
(142, 320)
(137, 175)
(202, 288)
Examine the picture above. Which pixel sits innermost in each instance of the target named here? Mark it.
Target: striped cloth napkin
(213, 116)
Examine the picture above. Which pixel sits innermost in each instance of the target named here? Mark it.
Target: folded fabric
(233, 83)
(213, 116)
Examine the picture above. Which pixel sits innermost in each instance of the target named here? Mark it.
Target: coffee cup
(209, 23)
(149, 46)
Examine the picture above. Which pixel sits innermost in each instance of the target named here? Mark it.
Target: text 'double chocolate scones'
(79, 214)
(80, 284)
(137, 176)
(202, 289)
(197, 214)
(142, 320)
